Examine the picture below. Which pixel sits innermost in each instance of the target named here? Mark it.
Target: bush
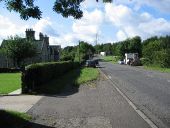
(36, 75)
(162, 58)
(145, 61)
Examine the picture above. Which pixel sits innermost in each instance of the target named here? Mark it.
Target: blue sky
(111, 22)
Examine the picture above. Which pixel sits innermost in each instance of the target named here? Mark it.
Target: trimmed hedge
(9, 70)
(36, 75)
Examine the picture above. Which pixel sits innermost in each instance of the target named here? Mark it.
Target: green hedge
(9, 70)
(36, 75)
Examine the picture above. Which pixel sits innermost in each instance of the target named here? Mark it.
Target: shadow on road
(13, 120)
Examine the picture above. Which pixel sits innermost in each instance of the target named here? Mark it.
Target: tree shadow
(10, 120)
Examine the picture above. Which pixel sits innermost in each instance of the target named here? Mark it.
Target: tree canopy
(27, 8)
(18, 49)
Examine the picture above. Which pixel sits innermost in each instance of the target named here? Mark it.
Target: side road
(99, 106)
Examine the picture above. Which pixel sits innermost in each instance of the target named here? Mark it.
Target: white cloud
(45, 26)
(89, 24)
(131, 23)
(8, 28)
(82, 29)
(121, 35)
(160, 5)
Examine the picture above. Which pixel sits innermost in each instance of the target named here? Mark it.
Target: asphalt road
(148, 90)
(96, 105)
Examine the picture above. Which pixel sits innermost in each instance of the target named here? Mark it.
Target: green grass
(155, 68)
(112, 59)
(87, 74)
(13, 119)
(75, 77)
(107, 58)
(9, 82)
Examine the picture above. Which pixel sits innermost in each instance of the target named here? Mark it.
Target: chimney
(41, 36)
(46, 39)
(30, 34)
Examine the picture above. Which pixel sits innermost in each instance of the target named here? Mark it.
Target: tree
(18, 49)
(27, 9)
(84, 51)
(68, 53)
(135, 45)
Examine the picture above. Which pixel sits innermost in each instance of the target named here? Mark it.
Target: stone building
(45, 51)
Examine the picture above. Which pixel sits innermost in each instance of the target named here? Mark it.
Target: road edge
(139, 112)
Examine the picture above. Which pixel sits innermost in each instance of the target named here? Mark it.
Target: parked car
(92, 63)
(121, 62)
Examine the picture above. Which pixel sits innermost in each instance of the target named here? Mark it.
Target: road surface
(148, 90)
(99, 106)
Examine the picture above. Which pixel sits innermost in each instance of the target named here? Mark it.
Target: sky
(111, 22)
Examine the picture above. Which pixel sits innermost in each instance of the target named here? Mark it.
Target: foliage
(9, 82)
(107, 47)
(27, 8)
(156, 68)
(68, 53)
(72, 78)
(84, 51)
(157, 51)
(18, 49)
(130, 45)
(38, 74)
(162, 58)
(9, 70)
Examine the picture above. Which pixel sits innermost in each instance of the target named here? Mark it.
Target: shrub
(162, 58)
(145, 61)
(36, 75)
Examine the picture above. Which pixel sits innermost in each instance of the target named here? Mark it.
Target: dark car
(92, 63)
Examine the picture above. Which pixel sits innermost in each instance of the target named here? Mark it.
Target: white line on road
(144, 117)
(109, 77)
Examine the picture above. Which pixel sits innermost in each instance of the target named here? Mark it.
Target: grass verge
(9, 82)
(167, 70)
(112, 59)
(75, 77)
(86, 75)
(13, 119)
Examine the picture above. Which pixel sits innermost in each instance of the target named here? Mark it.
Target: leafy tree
(107, 48)
(157, 51)
(27, 8)
(84, 51)
(68, 53)
(135, 45)
(18, 49)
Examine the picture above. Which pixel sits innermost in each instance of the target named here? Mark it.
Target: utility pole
(96, 38)
(97, 41)
(79, 52)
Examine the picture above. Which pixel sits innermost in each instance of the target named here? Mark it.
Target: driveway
(95, 105)
(148, 90)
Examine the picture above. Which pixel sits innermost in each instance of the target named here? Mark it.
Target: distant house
(45, 51)
(103, 53)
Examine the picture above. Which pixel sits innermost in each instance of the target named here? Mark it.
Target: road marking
(168, 81)
(109, 77)
(140, 113)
